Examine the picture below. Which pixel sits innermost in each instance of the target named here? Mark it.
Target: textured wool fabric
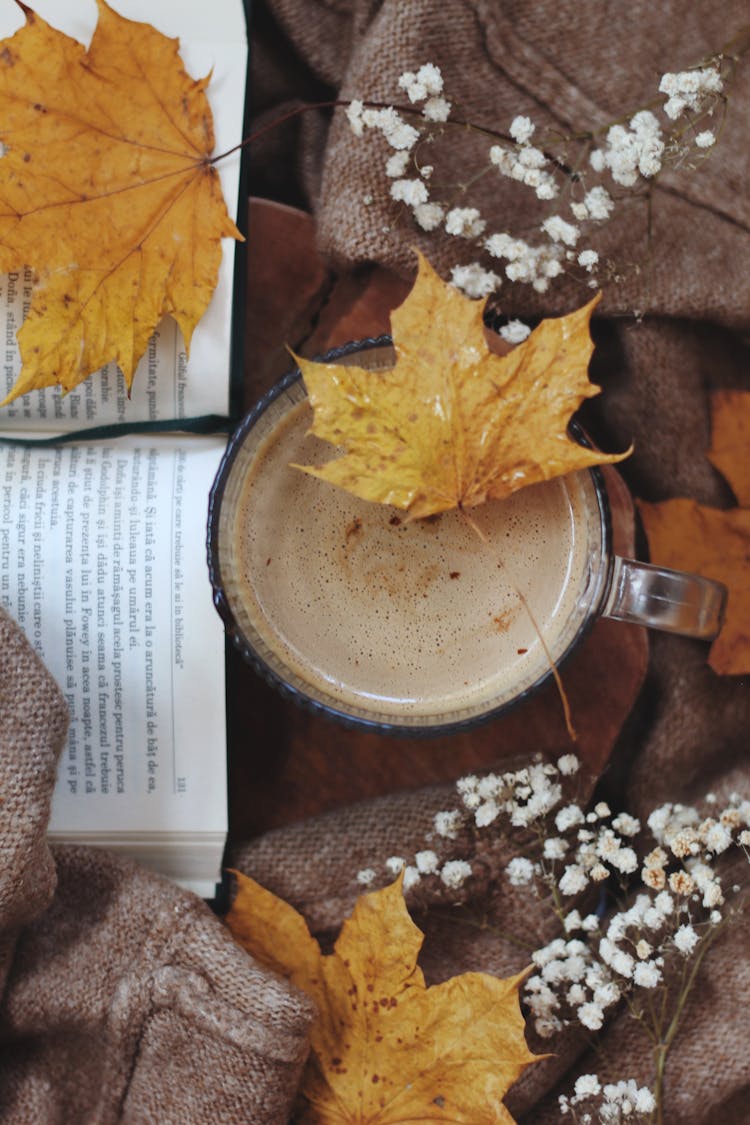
(572, 67)
(124, 998)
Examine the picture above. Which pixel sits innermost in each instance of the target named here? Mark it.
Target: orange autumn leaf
(452, 424)
(730, 441)
(386, 1049)
(714, 542)
(107, 192)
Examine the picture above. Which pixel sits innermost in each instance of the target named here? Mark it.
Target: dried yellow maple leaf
(452, 424)
(715, 542)
(107, 192)
(384, 1048)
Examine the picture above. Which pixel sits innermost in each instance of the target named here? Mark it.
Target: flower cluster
(578, 188)
(608, 1104)
(637, 905)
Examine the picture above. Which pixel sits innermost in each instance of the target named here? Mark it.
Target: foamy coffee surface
(406, 618)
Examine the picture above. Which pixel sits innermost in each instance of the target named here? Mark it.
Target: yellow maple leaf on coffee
(385, 1049)
(452, 424)
(107, 192)
(715, 542)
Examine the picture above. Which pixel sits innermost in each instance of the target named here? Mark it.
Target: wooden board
(286, 764)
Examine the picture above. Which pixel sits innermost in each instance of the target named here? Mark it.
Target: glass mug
(423, 626)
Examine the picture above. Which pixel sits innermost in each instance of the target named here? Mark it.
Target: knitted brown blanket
(569, 67)
(124, 998)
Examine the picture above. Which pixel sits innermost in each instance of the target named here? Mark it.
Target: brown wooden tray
(286, 764)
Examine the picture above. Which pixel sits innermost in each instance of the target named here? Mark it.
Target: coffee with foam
(414, 623)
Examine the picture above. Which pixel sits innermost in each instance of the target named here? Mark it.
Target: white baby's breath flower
(607, 994)
(394, 864)
(597, 160)
(717, 839)
(657, 857)
(572, 922)
(686, 939)
(630, 152)
(521, 129)
(366, 876)
(576, 995)
(713, 895)
(464, 222)
(520, 871)
(486, 813)
(447, 824)
(599, 203)
(502, 158)
(591, 1016)
(705, 139)
(542, 957)
(415, 89)
(573, 880)
(354, 117)
(515, 331)
(555, 848)
(530, 157)
(625, 860)
(474, 281)
(731, 818)
(547, 188)
(455, 872)
(568, 818)
(429, 216)
(397, 164)
(427, 862)
(427, 82)
(646, 974)
(490, 786)
(587, 1086)
(681, 883)
(396, 131)
(436, 109)
(568, 764)
(561, 231)
(411, 192)
(467, 784)
(689, 89)
(626, 824)
(664, 903)
(654, 877)
(622, 963)
(411, 877)
(588, 259)
(644, 1102)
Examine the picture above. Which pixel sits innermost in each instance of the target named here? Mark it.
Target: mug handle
(665, 599)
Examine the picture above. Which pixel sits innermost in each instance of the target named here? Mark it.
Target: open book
(102, 534)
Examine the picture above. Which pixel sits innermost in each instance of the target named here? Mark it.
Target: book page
(102, 563)
(212, 39)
